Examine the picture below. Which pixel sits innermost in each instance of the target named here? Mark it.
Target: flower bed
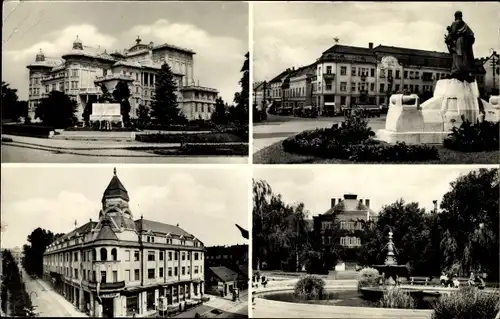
(214, 137)
(353, 140)
(474, 138)
(27, 130)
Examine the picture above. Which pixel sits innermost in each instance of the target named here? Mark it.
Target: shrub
(310, 288)
(27, 130)
(210, 149)
(398, 152)
(368, 277)
(468, 302)
(188, 138)
(397, 298)
(480, 137)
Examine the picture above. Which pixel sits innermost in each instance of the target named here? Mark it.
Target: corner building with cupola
(117, 266)
(81, 72)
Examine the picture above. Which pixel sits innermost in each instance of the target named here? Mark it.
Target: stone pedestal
(430, 122)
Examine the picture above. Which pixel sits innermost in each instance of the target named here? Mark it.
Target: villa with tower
(117, 266)
(81, 71)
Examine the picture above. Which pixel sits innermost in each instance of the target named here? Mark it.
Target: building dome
(40, 57)
(77, 44)
(115, 189)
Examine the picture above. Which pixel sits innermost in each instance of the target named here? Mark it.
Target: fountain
(390, 268)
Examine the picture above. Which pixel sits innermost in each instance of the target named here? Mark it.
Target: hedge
(480, 137)
(27, 130)
(214, 137)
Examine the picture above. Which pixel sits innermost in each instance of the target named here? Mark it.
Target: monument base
(432, 121)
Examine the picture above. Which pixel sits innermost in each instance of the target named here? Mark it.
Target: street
(47, 302)
(18, 154)
(266, 134)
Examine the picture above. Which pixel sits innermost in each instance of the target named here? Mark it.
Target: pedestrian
(443, 279)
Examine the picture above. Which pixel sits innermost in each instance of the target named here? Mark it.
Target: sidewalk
(72, 310)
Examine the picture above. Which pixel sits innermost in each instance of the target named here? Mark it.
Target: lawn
(275, 154)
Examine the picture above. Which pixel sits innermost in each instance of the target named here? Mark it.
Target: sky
(295, 34)
(381, 184)
(216, 31)
(206, 202)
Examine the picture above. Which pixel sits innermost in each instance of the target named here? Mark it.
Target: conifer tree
(164, 107)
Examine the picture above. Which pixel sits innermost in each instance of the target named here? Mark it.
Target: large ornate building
(80, 72)
(118, 266)
(346, 75)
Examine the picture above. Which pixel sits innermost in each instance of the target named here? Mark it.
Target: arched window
(113, 254)
(94, 255)
(104, 254)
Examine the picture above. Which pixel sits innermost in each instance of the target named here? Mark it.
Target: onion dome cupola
(40, 57)
(77, 44)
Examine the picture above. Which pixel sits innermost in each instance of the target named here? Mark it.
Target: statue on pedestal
(459, 41)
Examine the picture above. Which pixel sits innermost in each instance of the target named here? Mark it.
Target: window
(127, 275)
(169, 255)
(382, 87)
(188, 269)
(195, 256)
(151, 273)
(103, 276)
(328, 84)
(397, 87)
(84, 275)
(137, 275)
(151, 256)
(353, 86)
(127, 255)
(76, 256)
(183, 270)
(405, 74)
(161, 272)
(417, 75)
(170, 271)
(372, 87)
(161, 255)
(76, 273)
(372, 72)
(398, 74)
(114, 254)
(417, 89)
(389, 74)
(104, 254)
(195, 269)
(175, 271)
(353, 71)
(115, 276)
(94, 276)
(176, 255)
(329, 69)
(343, 86)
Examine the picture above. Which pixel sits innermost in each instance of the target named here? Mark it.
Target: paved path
(22, 154)
(48, 302)
(267, 134)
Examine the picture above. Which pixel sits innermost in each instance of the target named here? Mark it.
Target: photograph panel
(132, 82)
(384, 241)
(372, 82)
(130, 241)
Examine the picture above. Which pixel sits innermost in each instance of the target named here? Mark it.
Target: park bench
(419, 281)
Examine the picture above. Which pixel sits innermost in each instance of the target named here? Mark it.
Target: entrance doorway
(107, 308)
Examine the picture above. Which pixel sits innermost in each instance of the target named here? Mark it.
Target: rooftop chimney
(367, 203)
(370, 45)
(333, 202)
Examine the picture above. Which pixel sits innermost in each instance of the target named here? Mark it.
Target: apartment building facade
(117, 266)
(297, 87)
(80, 73)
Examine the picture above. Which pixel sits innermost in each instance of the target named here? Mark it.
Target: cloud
(208, 212)
(295, 34)
(218, 59)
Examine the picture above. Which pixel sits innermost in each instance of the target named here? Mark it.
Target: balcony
(329, 76)
(114, 76)
(107, 285)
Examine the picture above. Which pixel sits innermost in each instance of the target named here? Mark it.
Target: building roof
(84, 229)
(224, 274)
(347, 49)
(106, 232)
(161, 228)
(308, 69)
(115, 189)
(280, 76)
(350, 203)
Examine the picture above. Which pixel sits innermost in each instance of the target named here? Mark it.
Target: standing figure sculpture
(459, 41)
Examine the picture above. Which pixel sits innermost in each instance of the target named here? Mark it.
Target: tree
(21, 110)
(220, 114)
(106, 97)
(469, 220)
(57, 110)
(143, 114)
(13, 289)
(39, 239)
(165, 108)
(121, 94)
(241, 98)
(9, 101)
(87, 111)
